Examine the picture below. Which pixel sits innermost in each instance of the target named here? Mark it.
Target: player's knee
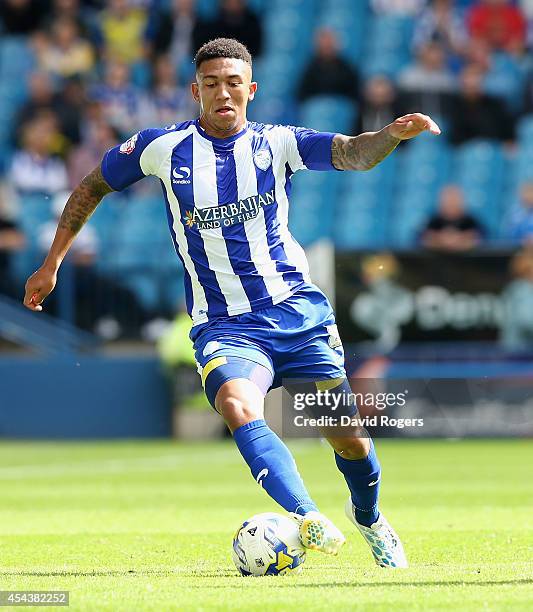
(237, 412)
(353, 448)
(239, 404)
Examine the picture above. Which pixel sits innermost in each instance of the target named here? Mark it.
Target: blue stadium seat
(387, 44)
(311, 209)
(362, 211)
(328, 114)
(479, 167)
(525, 130)
(506, 80)
(16, 58)
(348, 19)
(523, 167)
(33, 211)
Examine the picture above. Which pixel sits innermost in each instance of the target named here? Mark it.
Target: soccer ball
(268, 544)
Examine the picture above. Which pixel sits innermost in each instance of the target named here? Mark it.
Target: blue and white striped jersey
(227, 206)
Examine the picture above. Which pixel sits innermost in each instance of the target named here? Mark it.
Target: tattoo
(362, 152)
(83, 201)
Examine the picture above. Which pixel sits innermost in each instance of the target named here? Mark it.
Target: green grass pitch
(148, 526)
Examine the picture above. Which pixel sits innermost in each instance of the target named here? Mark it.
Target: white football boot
(317, 532)
(384, 543)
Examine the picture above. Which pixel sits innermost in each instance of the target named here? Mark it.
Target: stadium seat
(328, 114)
(33, 211)
(525, 130)
(16, 58)
(348, 20)
(506, 79)
(362, 210)
(310, 212)
(479, 169)
(387, 44)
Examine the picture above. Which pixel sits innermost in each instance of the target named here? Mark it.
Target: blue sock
(363, 478)
(273, 466)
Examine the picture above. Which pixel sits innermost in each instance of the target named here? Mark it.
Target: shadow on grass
(177, 573)
(377, 583)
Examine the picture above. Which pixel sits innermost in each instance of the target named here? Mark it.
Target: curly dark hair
(222, 47)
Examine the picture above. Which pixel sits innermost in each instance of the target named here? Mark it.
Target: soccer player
(257, 318)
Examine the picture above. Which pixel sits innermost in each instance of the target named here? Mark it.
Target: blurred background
(428, 257)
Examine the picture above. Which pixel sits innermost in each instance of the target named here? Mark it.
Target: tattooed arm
(365, 151)
(79, 207)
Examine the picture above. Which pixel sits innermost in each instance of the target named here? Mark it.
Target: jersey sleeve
(125, 164)
(309, 149)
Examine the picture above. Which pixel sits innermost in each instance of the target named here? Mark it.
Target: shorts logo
(263, 159)
(128, 146)
(334, 340)
(181, 175)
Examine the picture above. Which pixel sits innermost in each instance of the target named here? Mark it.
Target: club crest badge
(263, 159)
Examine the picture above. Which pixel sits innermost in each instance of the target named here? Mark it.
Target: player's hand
(40, 284)
(412, 125)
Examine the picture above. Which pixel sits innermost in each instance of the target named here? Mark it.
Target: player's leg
(240, 401)
(237, 371)
(316, 353)
(356, 459)
(354, 451)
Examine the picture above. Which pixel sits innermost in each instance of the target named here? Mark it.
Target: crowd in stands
(102, 70)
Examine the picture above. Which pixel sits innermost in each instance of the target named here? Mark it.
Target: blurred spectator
(66, 54)
(35, 169)
(122, 30)
(166, 102)
(327, 73)
(21, 16)
(66, 104)
(441, 22)
(80, 12)
(477, 115)
(521, 222)
(516, 331)
(479, 53)
(11, 241)
(503, 74)
(527, 9)
(118, 98)
(428, 84)
(378, 105)
(73, 104)
(401, 8)
(501, 24)
(451, 228)
(234, 20)
(100, 138)
(170, 31)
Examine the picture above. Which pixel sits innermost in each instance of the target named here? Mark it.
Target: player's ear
(195, 90)
(253, 89)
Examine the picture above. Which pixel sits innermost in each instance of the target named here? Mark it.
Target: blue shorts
(295, 339)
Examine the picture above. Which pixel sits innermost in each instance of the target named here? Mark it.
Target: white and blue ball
(268, 544)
